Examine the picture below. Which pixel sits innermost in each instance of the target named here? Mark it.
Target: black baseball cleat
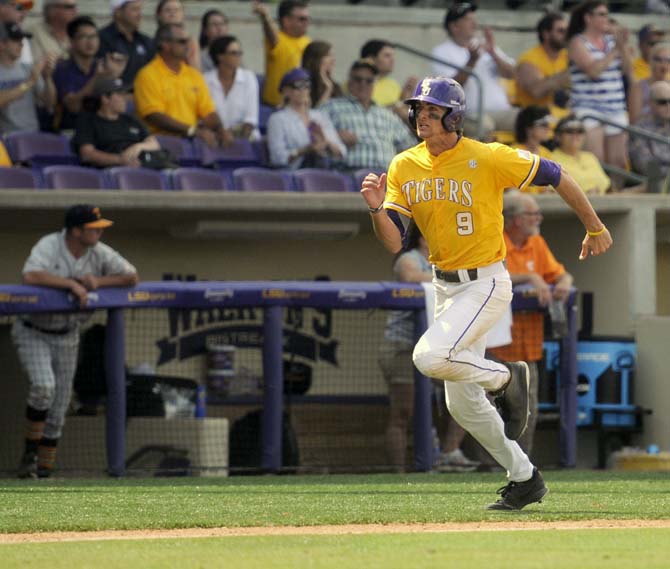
(512, 400)
(28, 465)
(517, 495)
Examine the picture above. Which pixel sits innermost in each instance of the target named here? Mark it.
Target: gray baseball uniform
(47, 344)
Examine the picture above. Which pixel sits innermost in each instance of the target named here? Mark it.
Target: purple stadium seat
(199, 180)
(181, 149)
(255, 179)
(359, 176)
(64, 177)
(317, 180)
(239, 154)
(17, 178)
(264, 112)
(39, 148)
(128, 178)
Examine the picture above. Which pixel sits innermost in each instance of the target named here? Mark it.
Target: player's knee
(41, 396)
(431, 364)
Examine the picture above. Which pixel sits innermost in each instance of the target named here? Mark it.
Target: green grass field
(162, 503)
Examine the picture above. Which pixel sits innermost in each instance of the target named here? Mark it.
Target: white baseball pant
(452, 349)
(50, 361)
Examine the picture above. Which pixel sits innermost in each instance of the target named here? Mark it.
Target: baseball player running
(453, 187)
(73, 259)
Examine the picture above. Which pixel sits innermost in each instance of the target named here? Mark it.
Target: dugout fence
(212, 378)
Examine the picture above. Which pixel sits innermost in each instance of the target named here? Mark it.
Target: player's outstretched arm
(373, 191)
(598, 238)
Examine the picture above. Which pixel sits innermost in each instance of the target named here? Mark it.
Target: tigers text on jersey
(456, 198)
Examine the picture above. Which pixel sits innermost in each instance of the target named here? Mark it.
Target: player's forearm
(573, 195)
(386, 231)
(44, 278)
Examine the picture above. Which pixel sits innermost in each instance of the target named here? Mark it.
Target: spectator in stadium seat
(22, 86)
(647, 155)
(582, 165)
(106, 135)
(233, 89)
(542, 76)
(213, 25)
(172, 12)
(171, 96)
(531, 262)
(488, 61)
(50, 35)
(16, 11)
(318, 60)
(73, 260)
(299, 136)
(387, 91)
(648, 36)
(372, 134)
(599, 59)
(638, 98)
(123, 36)
(283, 46)
(74, 77)
(532, 131)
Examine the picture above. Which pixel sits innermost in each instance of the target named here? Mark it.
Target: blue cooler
(605, 373)
(606, 369)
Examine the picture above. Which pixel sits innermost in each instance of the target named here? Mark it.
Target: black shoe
(517, 495)
(28, 465)
(512, 400)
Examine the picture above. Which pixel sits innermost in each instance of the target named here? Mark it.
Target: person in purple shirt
(74, 77)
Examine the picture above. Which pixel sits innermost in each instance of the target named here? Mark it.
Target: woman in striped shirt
(599, 59)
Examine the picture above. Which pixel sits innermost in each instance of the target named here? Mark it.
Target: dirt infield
(329, 530)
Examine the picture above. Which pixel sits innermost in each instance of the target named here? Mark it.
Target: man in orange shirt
(530, 262)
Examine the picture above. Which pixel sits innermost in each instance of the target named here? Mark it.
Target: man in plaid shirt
(372, 134)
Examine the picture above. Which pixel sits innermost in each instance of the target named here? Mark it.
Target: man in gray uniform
(75, 260)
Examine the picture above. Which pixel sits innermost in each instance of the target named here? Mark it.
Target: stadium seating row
(244, 179)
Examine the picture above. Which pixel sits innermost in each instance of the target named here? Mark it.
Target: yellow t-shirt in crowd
(5, 161)
(283, 57)
(386, 91)
(538, 57)
(641, 69)
(183, 96)
(585, 168)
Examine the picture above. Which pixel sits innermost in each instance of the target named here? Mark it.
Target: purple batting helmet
(443, 92)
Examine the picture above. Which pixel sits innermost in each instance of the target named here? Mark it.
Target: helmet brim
(422, 99)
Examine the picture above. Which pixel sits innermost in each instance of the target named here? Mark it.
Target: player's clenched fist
(373, 189)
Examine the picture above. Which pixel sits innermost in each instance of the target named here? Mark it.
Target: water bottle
(559, 319)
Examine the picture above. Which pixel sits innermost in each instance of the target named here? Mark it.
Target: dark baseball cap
(107, 85)
(364, 63)
(649, 33)
(458, 10)
(85, 215)
(12, 31)
(295, 75)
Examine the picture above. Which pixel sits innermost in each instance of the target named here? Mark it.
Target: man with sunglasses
(16, 11)
(283, 46)
(50, 35)
(452, 188)
(648, 36)
(649, 156)
(530, 262)
(371, 133)
(123, 36)
(171, 96)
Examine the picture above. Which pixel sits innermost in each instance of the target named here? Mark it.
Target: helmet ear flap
(411, 116)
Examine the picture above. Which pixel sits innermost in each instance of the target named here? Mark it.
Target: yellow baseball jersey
(184, 96)
(456, 198)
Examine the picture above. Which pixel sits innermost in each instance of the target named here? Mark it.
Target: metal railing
(467, 70)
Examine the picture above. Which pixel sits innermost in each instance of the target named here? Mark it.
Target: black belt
(453, 276)
(59, 332)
